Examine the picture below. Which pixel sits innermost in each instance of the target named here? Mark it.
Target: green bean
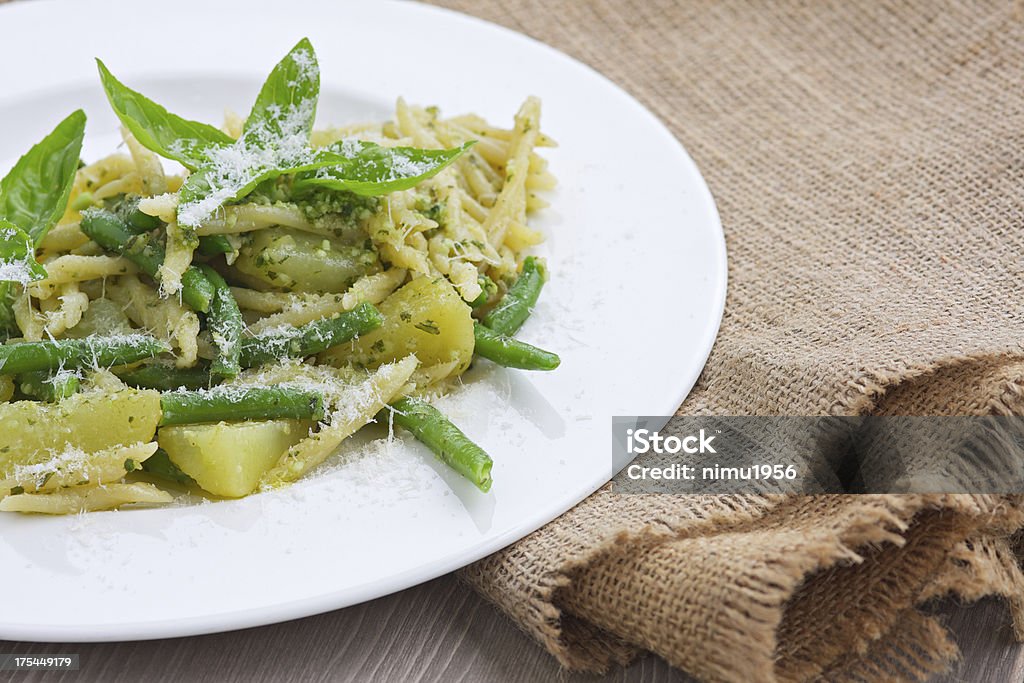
(514, 308)
(136, 220)
(160, 465)
(166, 377)
(126, 208)
(311, 338)
(225, 323)
(50, 387)
(447, 441)
(72, 354)
(113, 234)
(511, 353)
(196, 290)
(141, 221)
(213, 245)
(235, 404)
(110, 232)
(487, 290)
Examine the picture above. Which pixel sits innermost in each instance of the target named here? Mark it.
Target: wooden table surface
(439, 631)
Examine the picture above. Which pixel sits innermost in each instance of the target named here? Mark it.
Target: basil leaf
(366, 168)
(34, 195)
(167, 134)
(286, 106)
(274, 141)
(211, 187)
(18, 255)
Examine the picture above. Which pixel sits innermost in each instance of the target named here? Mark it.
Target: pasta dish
(218, 309)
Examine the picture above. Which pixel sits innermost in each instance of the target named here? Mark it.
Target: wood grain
(437, 632)
(985, 636)
(440, 631)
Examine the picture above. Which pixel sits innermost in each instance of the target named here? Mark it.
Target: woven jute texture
(868, 164)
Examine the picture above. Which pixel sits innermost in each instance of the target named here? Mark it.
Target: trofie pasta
(225, 328)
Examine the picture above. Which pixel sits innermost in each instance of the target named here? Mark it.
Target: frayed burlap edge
(969, 556)
(530, 600)
(979, 567)
(918, 648)
(908, 537)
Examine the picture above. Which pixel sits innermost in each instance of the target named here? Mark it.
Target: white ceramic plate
(638, 282)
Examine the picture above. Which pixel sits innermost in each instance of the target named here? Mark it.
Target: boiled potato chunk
(32, 432)
(352, 406)
(228, 459)
(426, 317)
(302, 262)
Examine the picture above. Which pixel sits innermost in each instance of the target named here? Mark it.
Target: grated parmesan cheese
(262, 148)
(15, 271)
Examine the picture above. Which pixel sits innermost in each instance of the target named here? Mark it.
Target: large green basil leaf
(34, 195)
(364, 168)
(286, 106)
(18, 255)
(167, 134)
(369, 169)
(212, 186)
(274, 141)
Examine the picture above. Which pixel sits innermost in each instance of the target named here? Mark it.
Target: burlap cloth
(867, 160)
